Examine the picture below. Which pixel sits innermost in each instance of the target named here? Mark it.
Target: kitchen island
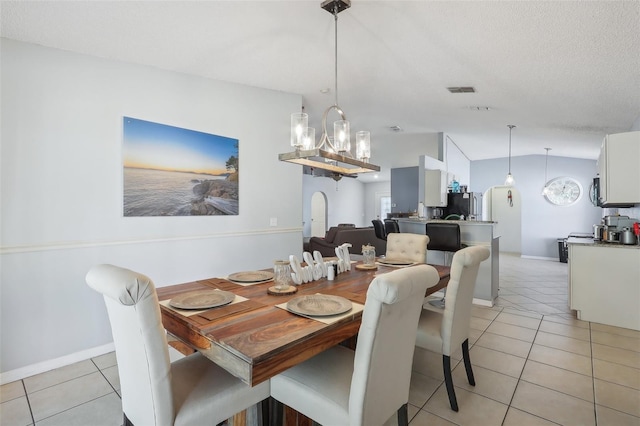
(604, 282)
(472, 233)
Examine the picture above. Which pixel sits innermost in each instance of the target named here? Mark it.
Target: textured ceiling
(564, 72)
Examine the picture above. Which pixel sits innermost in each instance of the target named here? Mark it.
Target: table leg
(441, 284)
(293, 418)
(239, 419)
(181, 347)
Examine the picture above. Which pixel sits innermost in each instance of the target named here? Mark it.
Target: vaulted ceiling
(564, 72)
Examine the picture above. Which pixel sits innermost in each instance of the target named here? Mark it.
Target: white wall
(61, 182)
(372, 192)
(457, 163)
(345, 201)
(542, 222)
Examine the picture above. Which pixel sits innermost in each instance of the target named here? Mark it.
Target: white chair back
(140, 342)
(459, 296)
(406, 246)
(386, 342)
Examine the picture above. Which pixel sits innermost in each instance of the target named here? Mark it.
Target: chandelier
(332, 153)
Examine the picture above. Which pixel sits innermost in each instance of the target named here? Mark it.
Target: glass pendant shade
(509, 181)
(363, 146)
(299, 124)
(341, 136)
(309, 138)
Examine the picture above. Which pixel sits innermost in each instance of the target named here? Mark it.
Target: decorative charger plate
(395, 262)
(251, 276)
(202, 299)
(319, 305)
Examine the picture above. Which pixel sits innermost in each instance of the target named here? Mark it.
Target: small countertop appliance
(616, 229)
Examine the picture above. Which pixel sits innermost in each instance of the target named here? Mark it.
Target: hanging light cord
(335, 51)
(324, 138)
(545, 188)
(509, 151)
(511, 126)
(546, 164)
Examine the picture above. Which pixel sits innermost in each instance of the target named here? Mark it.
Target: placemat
(354, 297)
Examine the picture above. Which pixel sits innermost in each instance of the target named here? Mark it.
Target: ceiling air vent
(461, 89)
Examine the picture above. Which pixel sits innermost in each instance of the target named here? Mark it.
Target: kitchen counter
(598, 243)
(604, 282)
(425, 220)
(472, 233)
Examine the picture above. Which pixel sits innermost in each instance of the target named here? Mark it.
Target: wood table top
(263, 340)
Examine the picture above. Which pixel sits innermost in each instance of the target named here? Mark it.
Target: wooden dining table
(257, 340)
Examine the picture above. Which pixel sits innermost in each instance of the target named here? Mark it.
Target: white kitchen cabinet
(435, 188)
(604, 284)
(619, 169)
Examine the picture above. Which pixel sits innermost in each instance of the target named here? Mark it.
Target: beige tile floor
(534, 364)
(533, 361)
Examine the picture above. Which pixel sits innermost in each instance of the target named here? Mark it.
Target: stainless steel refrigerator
(467, 204)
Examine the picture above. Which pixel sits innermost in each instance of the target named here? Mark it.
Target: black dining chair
(391, 226)
(378, 227)
(444, 237)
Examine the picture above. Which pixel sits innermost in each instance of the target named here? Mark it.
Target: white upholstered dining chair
(190, 391)
(407, 246)
(365, 387)
(444, 330)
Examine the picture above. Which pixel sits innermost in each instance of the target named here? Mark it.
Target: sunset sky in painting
(149, 145)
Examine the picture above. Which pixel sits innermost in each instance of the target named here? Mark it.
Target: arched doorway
(318, 214)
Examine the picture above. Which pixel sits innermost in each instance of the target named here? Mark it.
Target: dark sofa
(337, 235)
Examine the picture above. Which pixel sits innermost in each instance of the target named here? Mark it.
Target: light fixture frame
(325, 160)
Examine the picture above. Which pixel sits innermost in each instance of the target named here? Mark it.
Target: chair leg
(264, 408)
(276, 416)
(126, 421)
(467, 362)
(403, 416)
(448, 381)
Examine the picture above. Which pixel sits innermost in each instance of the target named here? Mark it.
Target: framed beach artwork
(170, 171)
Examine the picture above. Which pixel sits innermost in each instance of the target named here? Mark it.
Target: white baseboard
(52, 364)
(483, 302)
(480, 302)
(540, 258)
